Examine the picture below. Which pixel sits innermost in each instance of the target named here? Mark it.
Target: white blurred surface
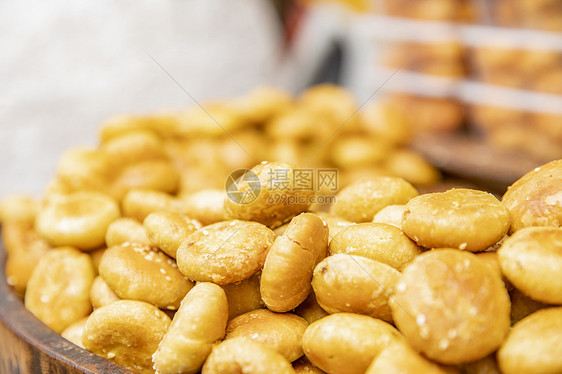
(67, 65)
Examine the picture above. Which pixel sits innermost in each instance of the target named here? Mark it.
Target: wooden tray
(28, 346)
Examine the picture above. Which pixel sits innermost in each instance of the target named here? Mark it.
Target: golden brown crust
(24, 248)
(412, 167)
(80, 220)
(536, 198)
(133, 147)
(167, 230)
(274, 204)
(225, 252)
(139, 203)
(400, 358)
(533, 345)
(18, 208)
(335, 223)
(74, 332)
(126, 332)
(157, 175)
(101, 294)
(376, 241)
(206, 206)
(355, 284)
(531, 260)
(287, 272)
(243, 296)
(280, 331)
(360, 201)
(451, 306)
(346, 342)
(124, 230)
(143, 273)
(310, 310)
(242, 355)
(198, 324)
(466, 219)
(58, 292)
(391, 215)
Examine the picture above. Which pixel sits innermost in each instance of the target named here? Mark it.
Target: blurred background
(473, 87)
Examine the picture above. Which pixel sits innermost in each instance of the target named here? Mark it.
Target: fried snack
(198, 324)
(243, 296)
(248, 147)
(531, 260)
(206, 206)
(96, 255)
(354, 151)
(158, 175)
(522, 305)
(391, 215)
(466, 219)
(58, 292)
(242, 355)
(138, 204)
(84, 169)
(278, 198)
(289, 151)
(203, 122)
(346, 342)
(533, 344)
(127, 333)
(167, 230)
(486, 365)
(225, 252)
(79, 220)
(383, 119)
(399, 357)
(376, 241)
(310, 310)
(73, 333)
(124, 230)
(101, 294)
(412, 167)
(335, 223)
(355, 284)
(165, 125)
(262, 103)
(280, 230)
(138, 272)
(24, 248)
(535, 199)
(451, 306)
(280, 331)
(287, 272)
(360, 201)
(351, 176)
(133, 147)
(295, 124)
(490, 259)
(18, 208)
(333, 104)
(304, 366)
